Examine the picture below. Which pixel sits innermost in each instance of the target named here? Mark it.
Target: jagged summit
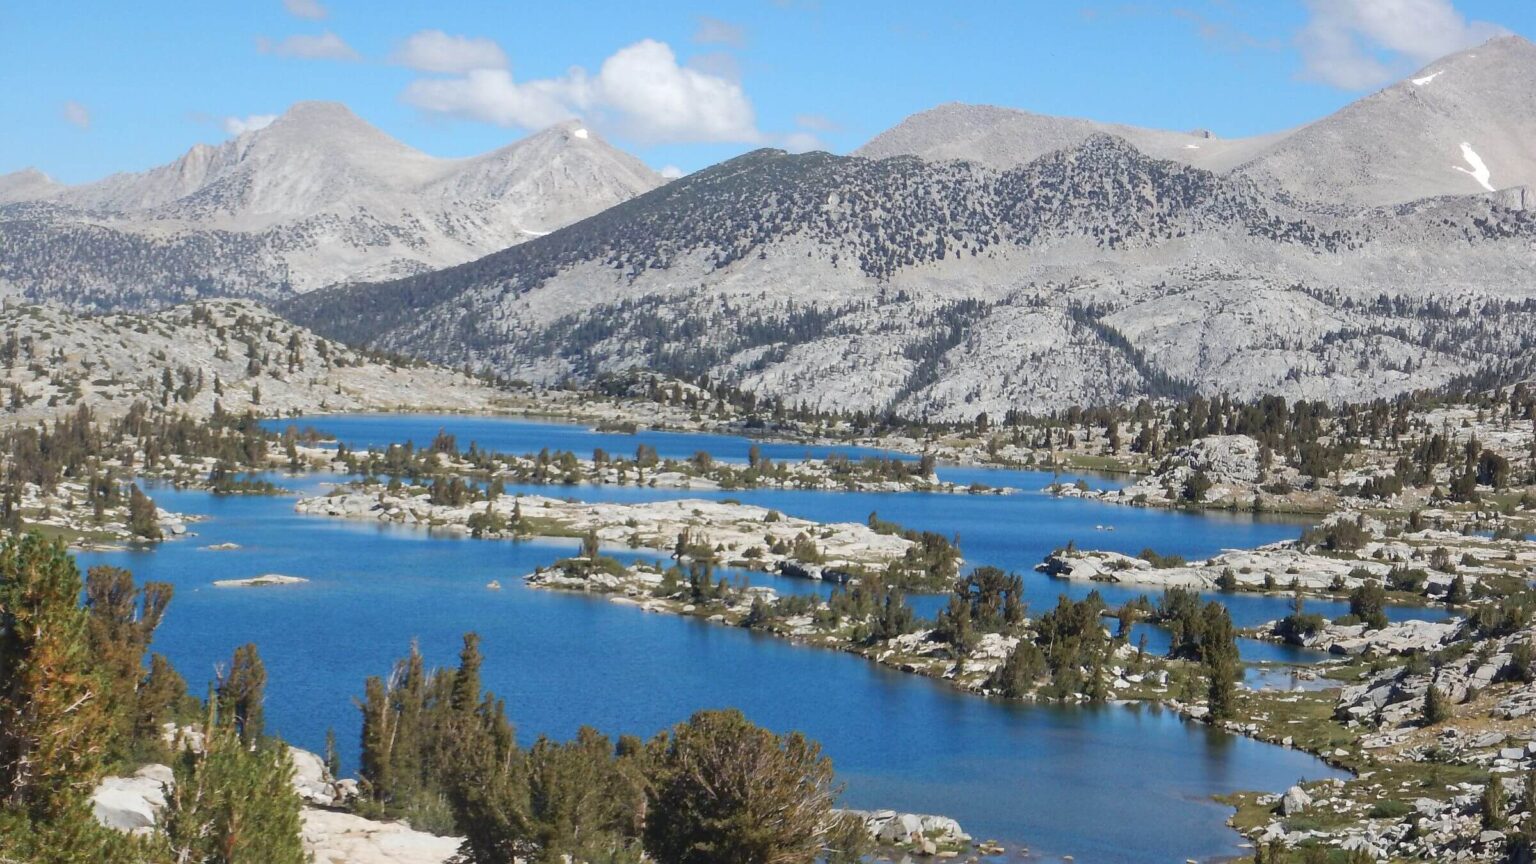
(1462, 125)
(317, 196)
(1400, 144)
(979, 259)
(1007, 137)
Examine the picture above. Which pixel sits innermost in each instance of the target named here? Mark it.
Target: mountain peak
(28, 184)
(1512, 42)
(1501, 56)
(327, 122)
(318, 111)
(575, 127)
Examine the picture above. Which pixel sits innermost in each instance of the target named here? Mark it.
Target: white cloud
(671, 172)
(713, 31)
(326, 46)
(640, 90)
(436, 51)
(659, 100)
(241, 125)
(1358, 44)
(77, 115)
(310, 9)
(491, 96)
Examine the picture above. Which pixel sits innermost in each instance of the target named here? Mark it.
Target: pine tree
(241, 693)
(119, 630)
(1493, 806)
(579, 801)
(54, 723)
(1436, 708)
(1017, 676)
(143, 517)
(1218, 649)
(1368, 603)
(233, 802)
(1458, 594)
(332, 754)
(466, 682)
(726, 790)
(160, 699)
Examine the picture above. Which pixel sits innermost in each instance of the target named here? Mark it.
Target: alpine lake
(1110, 783)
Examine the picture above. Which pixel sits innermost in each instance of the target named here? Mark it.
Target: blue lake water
(518, 436)
(1112, 784)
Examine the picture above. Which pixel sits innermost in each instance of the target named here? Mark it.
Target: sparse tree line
(105, 456)
(1065, 653)
(78, 700)
(1313, 437)
(444, 467)
(440, 753)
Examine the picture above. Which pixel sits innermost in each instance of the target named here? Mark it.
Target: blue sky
(97, 87)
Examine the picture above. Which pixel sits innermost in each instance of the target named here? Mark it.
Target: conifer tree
(466, 682)
(726, 790)
(1458, 595)
(120, 628)
(241, 693)
(233, 802)
(1219, 651)
(1017, 676)
(332, 754)
(54, 723)
(1436, 708)
(1492, 806)
(143, 518)
(160, 699)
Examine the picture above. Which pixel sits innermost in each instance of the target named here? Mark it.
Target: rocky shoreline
(742, 536)
(646, 587)
(66, 514)
(333, 835)
(1416, 566)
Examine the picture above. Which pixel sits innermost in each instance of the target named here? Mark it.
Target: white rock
(1294, 801)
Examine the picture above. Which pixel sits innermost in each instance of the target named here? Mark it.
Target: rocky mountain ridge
(943, 290)
(317, 197)
(1461, 125)
(229, 353)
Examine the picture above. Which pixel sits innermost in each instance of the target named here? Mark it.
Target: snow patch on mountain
(1385, 149)
(1479, 171)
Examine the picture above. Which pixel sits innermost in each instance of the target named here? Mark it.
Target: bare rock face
(133, 803)
(1395, 697)
(1461, 125)
(1095, 269)
(315, 198)
(233, 353)
(1223, 458)
(1397, 638)
(342, 838)
(1294, 801)
(891, 828)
